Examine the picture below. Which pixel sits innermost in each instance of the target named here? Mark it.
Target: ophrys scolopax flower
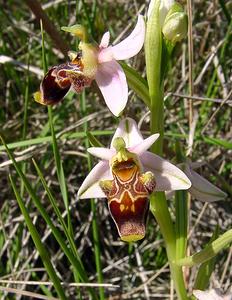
(126, 175)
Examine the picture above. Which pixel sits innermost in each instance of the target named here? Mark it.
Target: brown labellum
(128, 199)
(59, 79)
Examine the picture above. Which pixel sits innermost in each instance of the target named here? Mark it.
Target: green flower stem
(159, 207)
(209, 252)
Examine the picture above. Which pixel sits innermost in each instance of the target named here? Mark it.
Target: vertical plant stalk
(97, 250)
(190, 55)
(158, 202)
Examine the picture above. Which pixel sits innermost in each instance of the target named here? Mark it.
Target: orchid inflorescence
(127, 173)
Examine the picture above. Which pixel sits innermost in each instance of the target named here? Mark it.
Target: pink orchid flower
(94, 63)
(127, 174)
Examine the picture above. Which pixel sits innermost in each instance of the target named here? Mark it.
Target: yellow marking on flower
(38, 97)
(132, 237)
(122, 207)
(133, 208)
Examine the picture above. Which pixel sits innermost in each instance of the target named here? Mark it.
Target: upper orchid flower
(119, 177)
(94, 62)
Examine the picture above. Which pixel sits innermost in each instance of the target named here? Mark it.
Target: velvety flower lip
(94, 63)
(167, 176)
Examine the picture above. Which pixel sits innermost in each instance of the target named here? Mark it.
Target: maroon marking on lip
(130, 221)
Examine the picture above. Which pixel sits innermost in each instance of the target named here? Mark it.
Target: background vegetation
(137, 271)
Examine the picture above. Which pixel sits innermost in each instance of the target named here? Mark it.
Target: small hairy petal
(113, 85)
(131, 45)
(90, 187)
(144, 145)
(105, 40)
(102, 153)
(128, 130)
(168, 177)
(202, 189)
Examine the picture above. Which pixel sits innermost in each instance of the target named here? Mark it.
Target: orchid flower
(93, 62)
(201, 189)
(213, 294)
(120, 177)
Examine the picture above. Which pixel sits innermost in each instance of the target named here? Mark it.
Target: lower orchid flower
(93, 62)
(126, 175)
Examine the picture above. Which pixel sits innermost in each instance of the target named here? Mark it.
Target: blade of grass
(43, 252)
(92, 140)
(48, 139)
(97, 250)
(57, 211)
(218, 142)
(73, 260)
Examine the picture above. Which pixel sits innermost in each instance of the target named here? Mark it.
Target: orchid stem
(159, 207)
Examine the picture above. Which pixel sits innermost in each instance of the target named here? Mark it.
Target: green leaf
(137, 83)
(206, 269)
(208, 252)
(43, 252)
(93, 140)
(219, 142)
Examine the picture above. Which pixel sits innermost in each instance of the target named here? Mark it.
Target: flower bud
(175, 24)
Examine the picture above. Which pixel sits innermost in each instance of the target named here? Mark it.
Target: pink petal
(202, 189)
(113, 85)
(90, 187)
(213, 294)
(102, 153)
(105, 55)
(128, 130)
(131, 45)
(144, 145)
(168, 177)
(105, 40)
